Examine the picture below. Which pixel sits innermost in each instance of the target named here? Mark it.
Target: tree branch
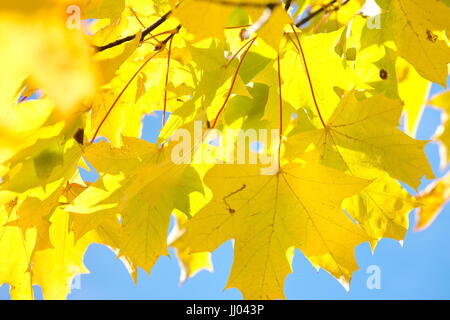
(145, 33)
(161, 20)
(315, 13)
(287, 5)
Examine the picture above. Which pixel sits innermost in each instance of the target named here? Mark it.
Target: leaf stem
(120, 95)
(163, 18)
(137, 18)
(302, 53)
(281, 112)
(249, 45)
(167, 82)
(237, 53)
(159, 34)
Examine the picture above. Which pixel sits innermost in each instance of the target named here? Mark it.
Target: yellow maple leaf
(414, 91)
(442, 101)
(209, 18)
(416, 30)
(41, 48)
(337, 98)
(382, 69)
(54, 268)
(338, 13)
(128, 187)
(320, 55)
(382, 210)
(270, 215)
(432, 201)
(41, 249)
(16, 249)
(361, 137)
(190, 263)
(102, 9)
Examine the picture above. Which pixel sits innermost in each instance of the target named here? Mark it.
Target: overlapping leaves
(317, 71)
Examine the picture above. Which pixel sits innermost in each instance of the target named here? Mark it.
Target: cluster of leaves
(317, 70)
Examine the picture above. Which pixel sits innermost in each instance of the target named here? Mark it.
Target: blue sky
(418, 270)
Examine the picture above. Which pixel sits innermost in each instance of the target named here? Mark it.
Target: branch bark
(163, 18)
(315, 13)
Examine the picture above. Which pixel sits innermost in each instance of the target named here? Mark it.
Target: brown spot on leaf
(231, 210)
(79, 136)
(431, 36)
(384, 74)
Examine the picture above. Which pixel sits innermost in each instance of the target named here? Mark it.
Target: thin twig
(315, 13)
(302, 53)
(146, 32)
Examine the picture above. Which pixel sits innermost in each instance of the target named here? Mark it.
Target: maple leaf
(320, 55)
(102, 9)
(361, 137)
(127, 188)
(414, 91)
(190, 263)
(51, 160)
(269, 216)
(38, 245)
(319, 73)
(23, 125)
(337, 14)
(382, 210)
(388, 74)
(62, 262)
(415, 29)
(442, 101)
(432, 201)
(209, 18)
(39, 45)
(15, 253)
